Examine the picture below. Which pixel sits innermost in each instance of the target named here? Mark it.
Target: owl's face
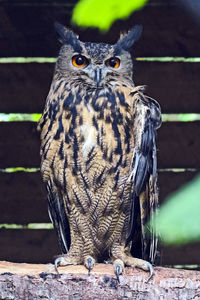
(95, 64)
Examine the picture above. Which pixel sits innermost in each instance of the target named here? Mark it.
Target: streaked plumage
(98, 155)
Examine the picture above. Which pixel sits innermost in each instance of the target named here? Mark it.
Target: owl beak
(97, 76)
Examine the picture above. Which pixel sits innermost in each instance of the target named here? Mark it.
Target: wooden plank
(169, 30)
(23, 198)
(40, 246)
(178, 145)
(174, 85)
(25, 245)
(72, 2)
(19, 145)
(28, 86)
(39, 3)
(195, 3)
(170, 182)
(187, 254)
(26, 201)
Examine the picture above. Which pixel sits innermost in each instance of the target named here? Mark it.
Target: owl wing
(147, 118)
(58, 215)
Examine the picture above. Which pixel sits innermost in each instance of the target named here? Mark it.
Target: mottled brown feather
(98, 161)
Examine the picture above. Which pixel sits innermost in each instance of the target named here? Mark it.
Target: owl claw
(89, 263)
(119, 267)
(117, 272)
(59, 261)
(151, 271)
(56, 264)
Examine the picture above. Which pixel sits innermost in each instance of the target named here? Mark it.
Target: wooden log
(24, 281)
(23, 195)
(178, 145)
(174, 85)
(27, 30)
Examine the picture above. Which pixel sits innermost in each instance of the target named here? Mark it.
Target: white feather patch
(89, 134)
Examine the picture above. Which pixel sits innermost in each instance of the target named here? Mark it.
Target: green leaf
(12, 117)
(102, 13)
(19, 169)
(178, 220)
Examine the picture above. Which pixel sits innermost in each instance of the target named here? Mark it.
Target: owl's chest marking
(89, 134)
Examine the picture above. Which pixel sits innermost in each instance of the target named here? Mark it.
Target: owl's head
(95, 64)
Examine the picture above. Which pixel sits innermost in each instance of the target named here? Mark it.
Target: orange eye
(79, 61)
(113, 62)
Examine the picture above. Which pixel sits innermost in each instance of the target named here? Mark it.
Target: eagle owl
(98, 155)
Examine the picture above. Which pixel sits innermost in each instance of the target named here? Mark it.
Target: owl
(98, 155)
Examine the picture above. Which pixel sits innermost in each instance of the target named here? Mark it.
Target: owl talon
(117, 272)
(56, 264)
(89, 263)
(119, 267)
(151, 271)
(60, 261)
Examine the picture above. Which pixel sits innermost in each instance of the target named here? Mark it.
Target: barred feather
(98, 158)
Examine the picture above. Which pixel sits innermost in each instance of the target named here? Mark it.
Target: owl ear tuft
(127, 40)
(67, 36)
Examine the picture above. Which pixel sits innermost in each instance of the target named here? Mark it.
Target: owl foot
(121, 257)
(119, 268)
(58, 262)
(65, 260)
(89, 263)
(140, 263)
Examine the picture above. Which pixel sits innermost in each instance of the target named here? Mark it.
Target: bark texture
(31, 282)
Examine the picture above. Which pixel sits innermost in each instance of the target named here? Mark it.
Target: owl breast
(89, 137)
(105, 132)
(90, 155)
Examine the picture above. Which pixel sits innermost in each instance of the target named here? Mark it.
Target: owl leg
(121, 257)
